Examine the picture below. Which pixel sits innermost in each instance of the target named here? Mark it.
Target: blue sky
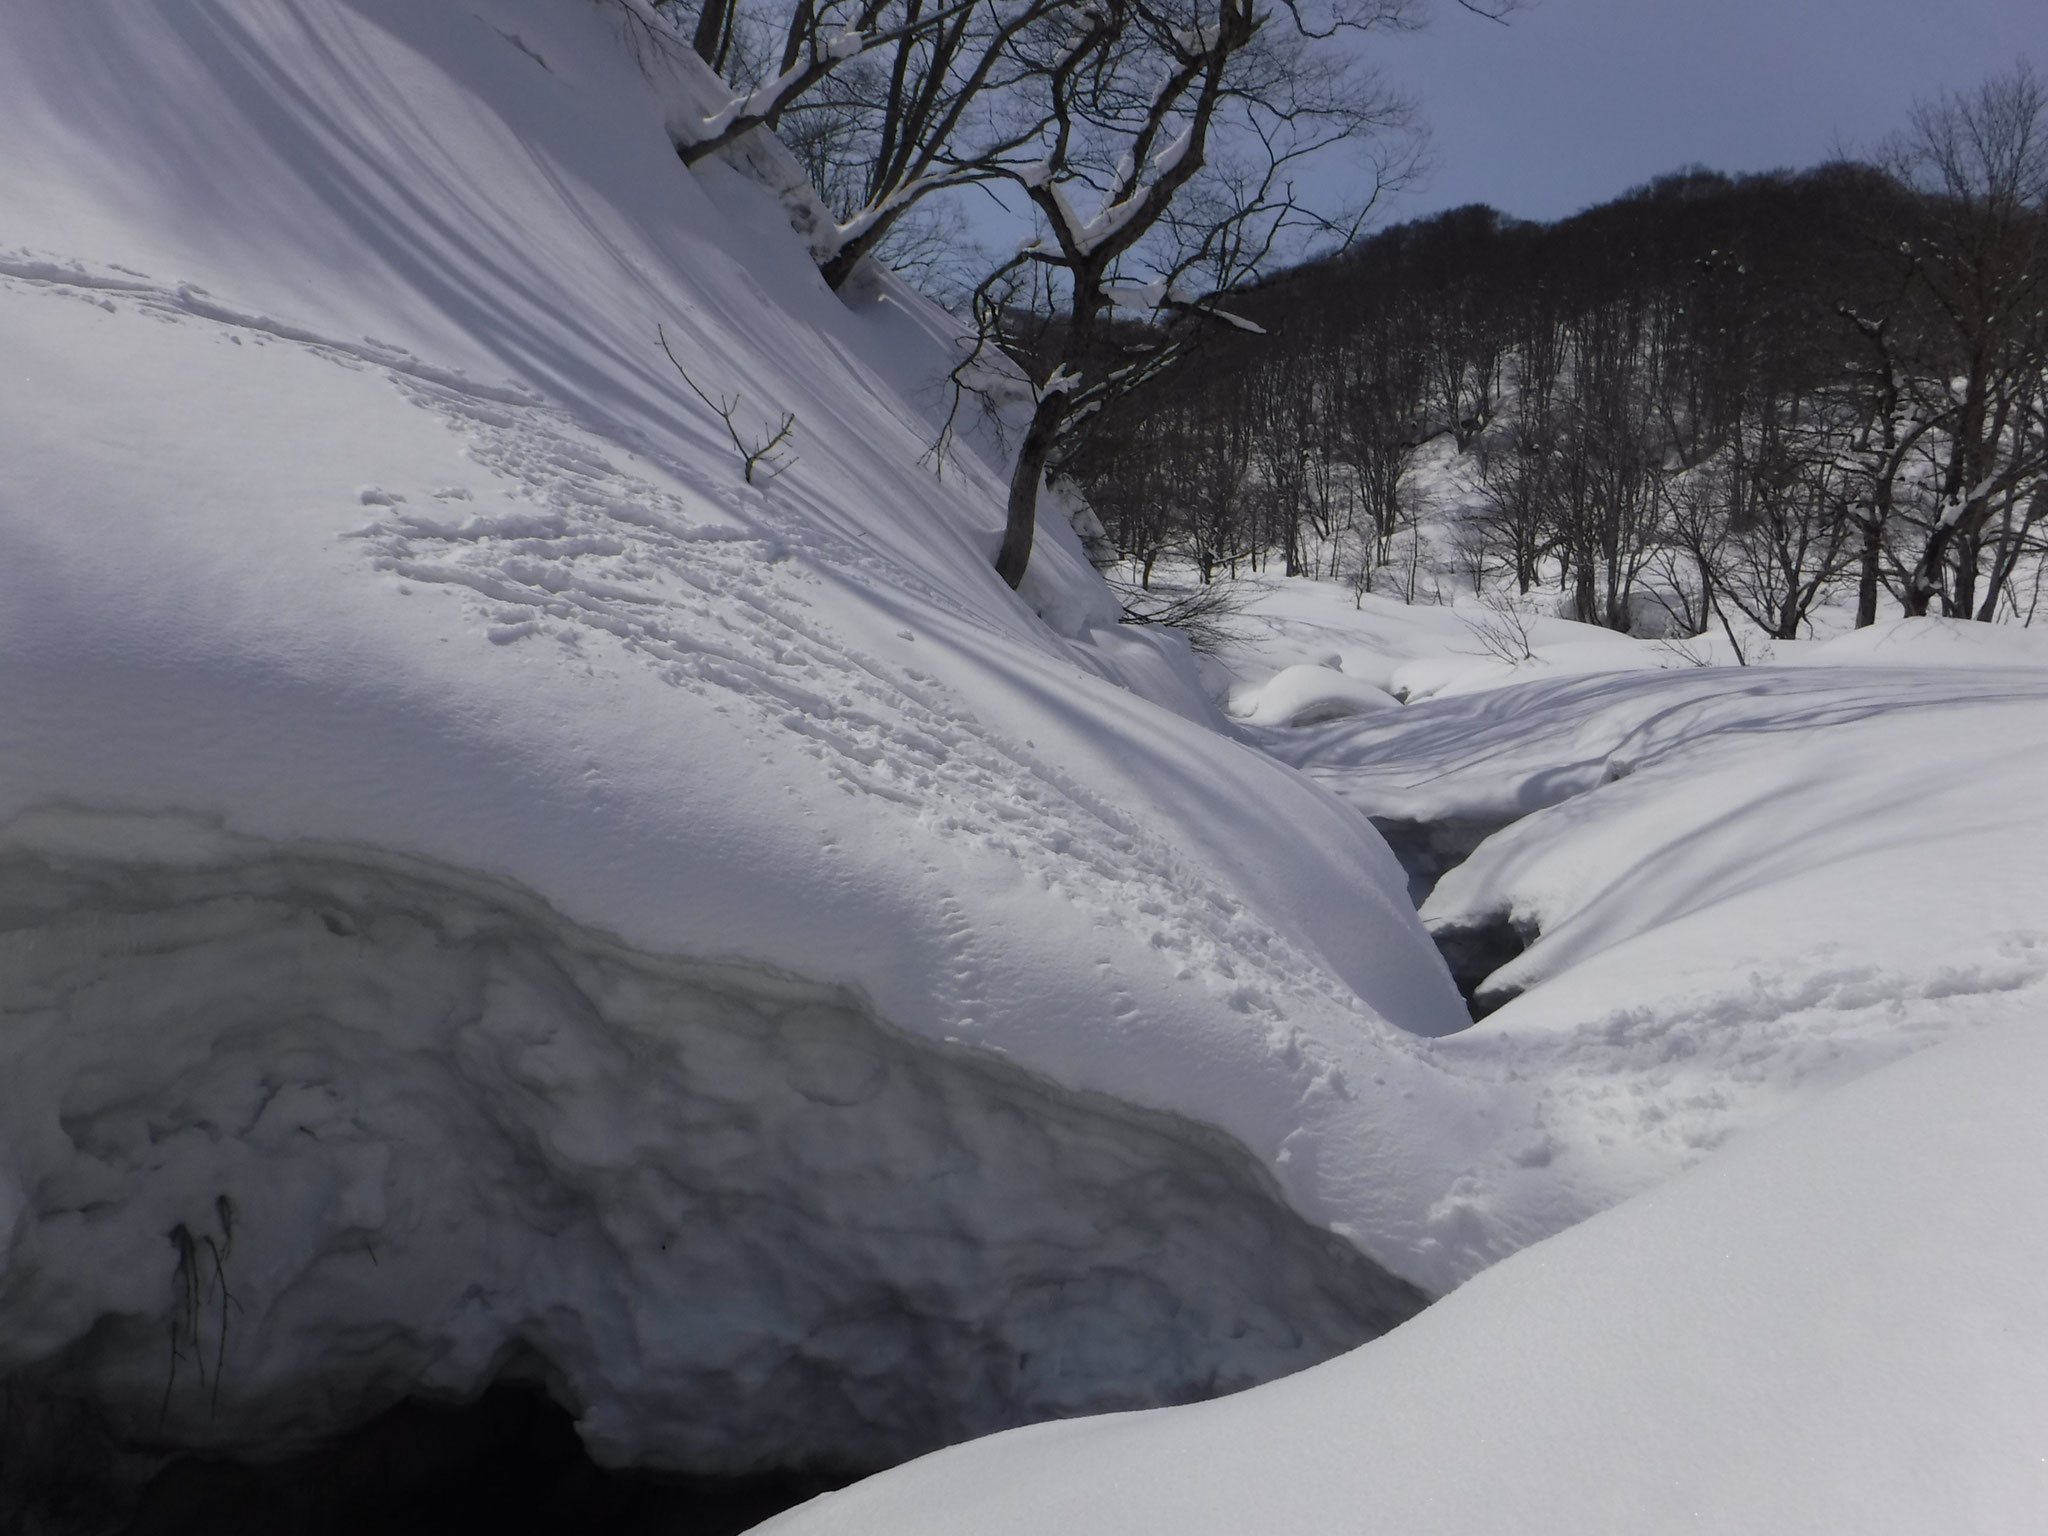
(1575, 101)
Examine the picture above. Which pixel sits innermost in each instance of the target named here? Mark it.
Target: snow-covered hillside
(478, 873)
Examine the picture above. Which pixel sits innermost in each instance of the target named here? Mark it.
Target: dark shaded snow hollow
(297, 1135)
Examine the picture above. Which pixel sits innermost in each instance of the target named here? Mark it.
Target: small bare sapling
(201, 1272)
(770, 456)
(1503, 630)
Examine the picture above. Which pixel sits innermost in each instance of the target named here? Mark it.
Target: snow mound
(1932, 642)
(1419, 651)
(1695, 899)
(1833, 1326)
(1307, 695)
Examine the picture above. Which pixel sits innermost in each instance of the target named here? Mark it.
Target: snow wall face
(289, 1135)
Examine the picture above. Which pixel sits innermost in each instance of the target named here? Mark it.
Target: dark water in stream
(510, 1464)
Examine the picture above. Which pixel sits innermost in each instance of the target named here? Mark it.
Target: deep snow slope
(1833, 1326)
(379, 607)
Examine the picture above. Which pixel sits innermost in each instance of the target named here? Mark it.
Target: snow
(1307, 695)
(483, 888)
(1419, 651)
(1932, 642)
(356, 523)
(433, 1129)
(1832, 1326)
(1693, 898)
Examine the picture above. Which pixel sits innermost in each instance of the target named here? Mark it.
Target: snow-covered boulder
(1307, 695)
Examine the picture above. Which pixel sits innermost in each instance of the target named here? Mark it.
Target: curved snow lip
(288, 1132)
(1300, 696)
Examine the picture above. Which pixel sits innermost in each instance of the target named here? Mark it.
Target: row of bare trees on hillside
(1713, 401)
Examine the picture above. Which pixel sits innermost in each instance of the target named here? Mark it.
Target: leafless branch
(752, 455)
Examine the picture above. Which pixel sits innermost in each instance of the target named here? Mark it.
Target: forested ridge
(1713, 402)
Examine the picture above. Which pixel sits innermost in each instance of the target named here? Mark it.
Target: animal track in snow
(722, 611)
(720, 606)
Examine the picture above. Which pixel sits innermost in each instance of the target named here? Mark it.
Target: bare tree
(1786, 514)
(769, 452)
(817, 41)
(1142, 95)
(1981, 258)
(950, 105)
(1157, 142)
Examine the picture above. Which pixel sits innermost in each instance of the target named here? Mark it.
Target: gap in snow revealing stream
(509, 1463)
(300, 1132)
(1472, 951)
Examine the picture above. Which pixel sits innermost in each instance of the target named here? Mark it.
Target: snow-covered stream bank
(399, 1132)
(1776, 1058)
(490, 891)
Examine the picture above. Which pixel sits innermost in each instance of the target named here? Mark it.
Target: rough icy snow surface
(418, 1129)
(1835, 1325)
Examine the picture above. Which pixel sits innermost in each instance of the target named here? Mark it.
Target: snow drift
(403, 684)
(1691, 900)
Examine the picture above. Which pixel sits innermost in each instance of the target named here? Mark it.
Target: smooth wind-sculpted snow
(354, 514)
(1691, 900)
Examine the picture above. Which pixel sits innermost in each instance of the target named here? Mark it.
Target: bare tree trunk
(1928, 579)
(2012, 544)
(1869, 577)
(714, 32)
(1925, 583)
(1968, 555)
(1022, 524)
